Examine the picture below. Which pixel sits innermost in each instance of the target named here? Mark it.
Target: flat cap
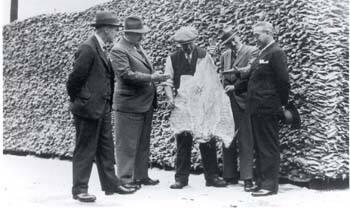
(185, 35)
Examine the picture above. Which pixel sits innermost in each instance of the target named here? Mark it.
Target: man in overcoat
(134, 101)
(268, 91)
(235, 66)
(90, 88)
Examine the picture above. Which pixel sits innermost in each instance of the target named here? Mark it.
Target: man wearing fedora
(268, 91)
(90, 88)
(184, 62)
(134, 101)
(234, 67)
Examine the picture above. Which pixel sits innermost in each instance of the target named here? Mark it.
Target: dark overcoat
(90, 85)
(268, 86)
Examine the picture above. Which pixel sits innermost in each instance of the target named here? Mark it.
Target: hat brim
(184, 42)
(228, 39)
(145, 29)
(110, 25)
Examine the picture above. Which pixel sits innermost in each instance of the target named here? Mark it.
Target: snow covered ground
(30, 182)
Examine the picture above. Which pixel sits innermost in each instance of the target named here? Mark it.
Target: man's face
(261, 36)
(111, 33)
(231, 45)
(187, 47)
(134, 38)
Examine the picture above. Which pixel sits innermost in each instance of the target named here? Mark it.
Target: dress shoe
(216, 182)
(249, 186)
(147, 181)
(263, 192)
(121, 190)
(178, 185)
(84, 197)
(132, 185)
(231, 180)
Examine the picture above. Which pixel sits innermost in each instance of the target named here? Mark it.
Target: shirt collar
(100, 41)
(189, 56)
(272, 42)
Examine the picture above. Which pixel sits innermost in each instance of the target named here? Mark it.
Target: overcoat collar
(100, 51)
(130, 48)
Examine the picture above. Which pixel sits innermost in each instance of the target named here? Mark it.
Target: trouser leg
(84, 152)
(142, 154)
(230, 169)
(246, 149)
(183, 157)
(209, 159)
(128, 129)
(105, 155)
(265, 133)
(230, 154)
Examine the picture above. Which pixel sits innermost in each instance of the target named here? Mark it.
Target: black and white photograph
(196, 104)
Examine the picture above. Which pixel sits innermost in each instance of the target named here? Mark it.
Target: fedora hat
(135, 24)
(227, 34)
(291, 116)
(106, 18)
(185, 35)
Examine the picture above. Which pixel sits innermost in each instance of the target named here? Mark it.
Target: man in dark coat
(134, 101)
(235, 66)
(90, 88)
(268, 90)
(185, 62)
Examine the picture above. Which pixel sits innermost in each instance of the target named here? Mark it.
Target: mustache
(187, 48)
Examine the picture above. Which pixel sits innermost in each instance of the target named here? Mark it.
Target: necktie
(188, 57)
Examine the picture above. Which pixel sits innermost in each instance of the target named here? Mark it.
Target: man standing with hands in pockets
(90, 88)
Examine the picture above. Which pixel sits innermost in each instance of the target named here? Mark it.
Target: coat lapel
(132, 51)
(101, 53)
(240, 56)
(147, 59)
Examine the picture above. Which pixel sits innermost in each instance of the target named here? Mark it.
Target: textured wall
(38, 56)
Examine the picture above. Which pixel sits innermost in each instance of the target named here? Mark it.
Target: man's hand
(159, 77)
(229, 88)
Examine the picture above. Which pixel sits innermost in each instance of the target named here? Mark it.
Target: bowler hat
(134, 24)
(106, 18)
(227, 35)
(291, 116)
(185, 35)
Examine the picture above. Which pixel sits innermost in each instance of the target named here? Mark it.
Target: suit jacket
(242, 60)
(134, 92)
(268, 86)
(90, 85)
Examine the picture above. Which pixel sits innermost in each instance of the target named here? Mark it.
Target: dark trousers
(265, 135)
(244, 141)
(184, 143)
(133, 132)
(93, 142)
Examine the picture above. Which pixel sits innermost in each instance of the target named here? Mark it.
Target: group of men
(124, 83)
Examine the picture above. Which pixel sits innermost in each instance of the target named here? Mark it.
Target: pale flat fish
(202, 106)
